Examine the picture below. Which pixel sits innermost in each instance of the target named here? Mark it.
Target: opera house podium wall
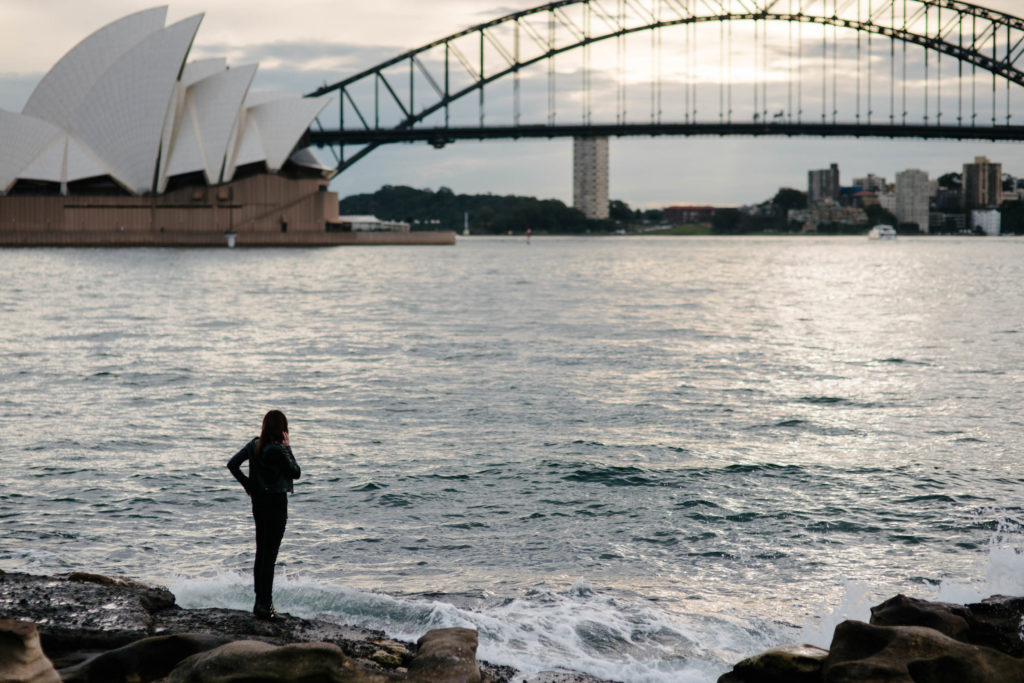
(261, 210)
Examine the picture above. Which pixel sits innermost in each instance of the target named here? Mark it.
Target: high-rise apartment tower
(913, 198)
(590, 176)
(823, 185)
(982, 184)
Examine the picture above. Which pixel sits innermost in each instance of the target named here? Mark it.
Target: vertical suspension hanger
(995, 58)
(857, 116)
(764, 70)
(870, 60)
(800, 67)
(974, 74)
(892, 64)
(835, 59)
(824, 63)
(516, 96)
(757, 71)
(926, 60)
(1007, 77)
(904, 63)
(960, 73)
(789, 67)
(551, 67)
(938, 80)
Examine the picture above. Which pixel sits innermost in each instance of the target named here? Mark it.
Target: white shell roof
(62, 90)
(124, 103)
(202, 68)
(281, 123)
(124, 114)
(218, 102)
(25, 137)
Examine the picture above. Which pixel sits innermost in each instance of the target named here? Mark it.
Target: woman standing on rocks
(272, 468)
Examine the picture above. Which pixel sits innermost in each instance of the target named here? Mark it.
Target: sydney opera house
(127, 142)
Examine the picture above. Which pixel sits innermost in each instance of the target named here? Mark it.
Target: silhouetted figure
(272, 468)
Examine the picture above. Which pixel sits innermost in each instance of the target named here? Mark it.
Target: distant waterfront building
(988, 221)
(372, 224)
(590, 176)
(688, 214)
(949, 199)
(887, 201)
(982, 184)
(823, 185)
(829, 213)
(870, 183)
(864, 199)
(913, 192)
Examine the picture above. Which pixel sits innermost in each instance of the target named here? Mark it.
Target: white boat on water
(882, 232)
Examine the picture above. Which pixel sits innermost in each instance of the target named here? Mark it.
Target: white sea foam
(577, 629)
(999, 572)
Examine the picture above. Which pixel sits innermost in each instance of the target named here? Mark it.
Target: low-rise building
(828, 213)
(371, 224)
(988, 221)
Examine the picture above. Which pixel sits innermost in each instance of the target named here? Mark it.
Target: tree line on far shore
(487, 213)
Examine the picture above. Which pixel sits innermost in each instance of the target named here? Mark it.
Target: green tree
(1013, 217)
(727, 221)
(784, 200)
(879, 216)
(619, 210)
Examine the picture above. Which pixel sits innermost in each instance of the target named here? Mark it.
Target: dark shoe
(265, 612)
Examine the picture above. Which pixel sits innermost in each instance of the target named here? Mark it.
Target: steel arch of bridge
(993, 42)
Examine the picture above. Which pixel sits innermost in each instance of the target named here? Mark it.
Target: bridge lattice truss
(728, 67)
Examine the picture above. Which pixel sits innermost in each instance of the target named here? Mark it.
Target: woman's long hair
(275, 424)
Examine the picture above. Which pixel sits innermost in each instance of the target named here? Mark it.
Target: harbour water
(643, 458)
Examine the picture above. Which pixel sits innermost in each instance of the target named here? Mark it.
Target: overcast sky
(301, 44)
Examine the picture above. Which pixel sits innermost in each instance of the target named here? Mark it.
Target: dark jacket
(270, 471)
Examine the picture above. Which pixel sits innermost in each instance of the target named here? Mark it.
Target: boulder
(145, 660)
(21, 657)
(81, 613)
(788, 664)
(912, 654)
(253, 660)
(994, 622)
(948, 619)
(446, 655)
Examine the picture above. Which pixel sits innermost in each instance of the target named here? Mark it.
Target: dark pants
(271, 514)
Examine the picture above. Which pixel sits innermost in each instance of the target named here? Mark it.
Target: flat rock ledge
(907, 641)
(87, 628)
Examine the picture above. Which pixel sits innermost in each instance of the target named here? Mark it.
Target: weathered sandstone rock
(787, 664)
(994, 622)
(253, 660)
(145, 660)
(446, 656)
(21, 658)
(912, 654)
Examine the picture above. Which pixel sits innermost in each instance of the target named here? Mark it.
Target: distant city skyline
(298, 54)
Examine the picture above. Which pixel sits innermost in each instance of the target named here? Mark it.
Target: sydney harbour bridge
(879, 68)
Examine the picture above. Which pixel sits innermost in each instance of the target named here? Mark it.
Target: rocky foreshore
(907, 641)
(86, 628)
